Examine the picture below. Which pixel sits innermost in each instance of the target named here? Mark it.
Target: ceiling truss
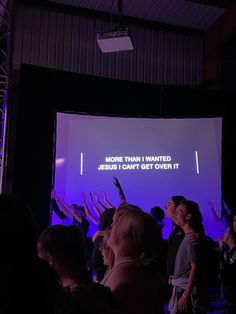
(4, 75)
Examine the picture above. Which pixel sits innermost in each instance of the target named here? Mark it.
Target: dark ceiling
(193, 14)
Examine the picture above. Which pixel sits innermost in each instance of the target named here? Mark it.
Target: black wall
(42, 92)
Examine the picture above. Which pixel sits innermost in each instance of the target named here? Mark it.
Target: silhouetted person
(63, 248)
(176, 236)
(28, 284)
(228, 271)
(158, 214)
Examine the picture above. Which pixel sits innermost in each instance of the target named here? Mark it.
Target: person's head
(79, 209)
(188, 212)
(135, 234)
(22, 273)
(106, 218)
(63, 248)
(157, 213)
(123, 208)
(17, 232)
(172, 204)
(229, 237)
(107, 253)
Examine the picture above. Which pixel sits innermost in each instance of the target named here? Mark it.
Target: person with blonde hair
(134, 279)
(107, 254)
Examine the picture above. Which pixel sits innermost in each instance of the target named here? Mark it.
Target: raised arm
(105, 199)
(219, 220)
(55, 207)
(88, 212)
(212, 208)
(63, 205)
(120, 190)
(77, 216)
(226, 208)
(95, 207)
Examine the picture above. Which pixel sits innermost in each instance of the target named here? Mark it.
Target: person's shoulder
(102, 294)
(100, 290)
(92, 297)
(177, 232)
(128, 270)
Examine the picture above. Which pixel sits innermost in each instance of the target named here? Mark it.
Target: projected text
(138, 163)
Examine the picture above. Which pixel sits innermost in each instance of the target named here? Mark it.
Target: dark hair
(106, 218)
(80, 209)
(157, 213)
(77, 206)
(193, 209)
(177, 199)
(66, 243)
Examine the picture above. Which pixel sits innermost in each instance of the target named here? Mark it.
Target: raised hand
(91, 196)
(211, 205)
(121, 192)
(96, 196)
(212, 208)
(104, 196)
(98, 233)
(117, 183)
(84, 196)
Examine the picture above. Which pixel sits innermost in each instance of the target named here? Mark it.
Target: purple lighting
(153, 159)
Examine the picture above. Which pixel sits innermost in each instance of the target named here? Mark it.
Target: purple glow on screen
(153, 159)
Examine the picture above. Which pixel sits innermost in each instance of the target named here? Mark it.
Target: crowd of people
(126, 272)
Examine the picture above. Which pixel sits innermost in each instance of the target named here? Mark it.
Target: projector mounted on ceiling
(118, 39)
(115, 41)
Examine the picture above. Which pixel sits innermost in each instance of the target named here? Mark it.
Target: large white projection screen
(154, 158)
